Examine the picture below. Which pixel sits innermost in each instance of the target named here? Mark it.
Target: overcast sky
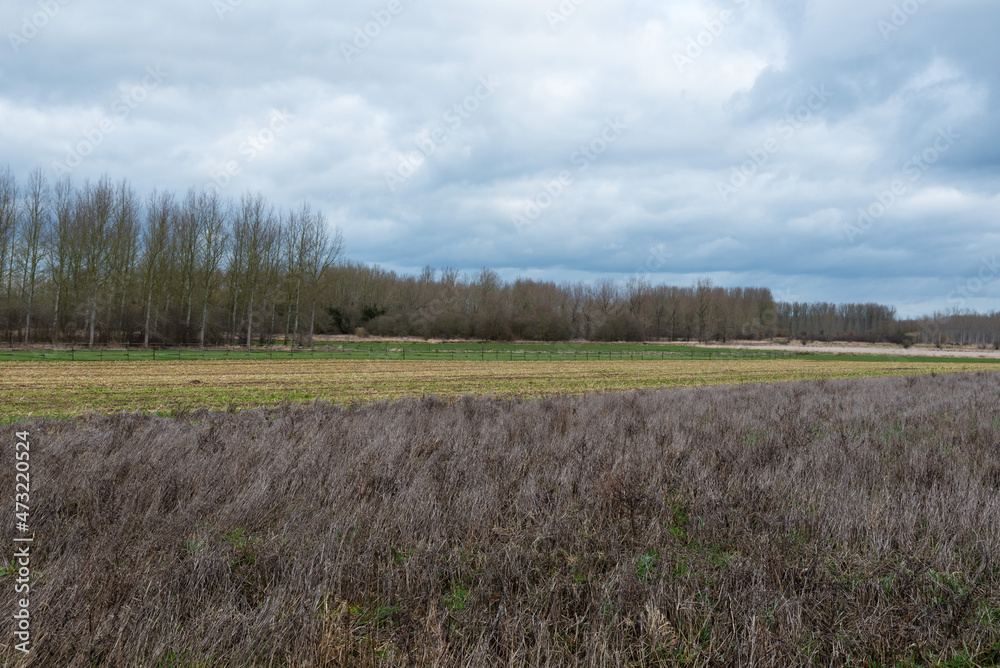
(737, 139)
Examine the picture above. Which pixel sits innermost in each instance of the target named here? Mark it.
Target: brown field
(64, 389)
(830, 523)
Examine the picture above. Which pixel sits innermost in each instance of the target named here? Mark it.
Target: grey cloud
(356, 118)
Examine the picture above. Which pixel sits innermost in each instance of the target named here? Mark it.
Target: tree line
(444, 304)
(98, 263)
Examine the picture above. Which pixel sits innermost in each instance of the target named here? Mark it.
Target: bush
(619, 328)
(449, 325)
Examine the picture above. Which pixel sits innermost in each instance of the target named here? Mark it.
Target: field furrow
(62, 389)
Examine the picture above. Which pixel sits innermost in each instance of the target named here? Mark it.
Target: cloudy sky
(842, 150)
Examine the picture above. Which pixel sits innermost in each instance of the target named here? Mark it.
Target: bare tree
(60, 245)
(296, 248)
(160, 211)
(325, 248)
(606, 294)
(637, 290)
(8, 238)
(36, 220)
(215, 215)
(96, 212)
(123, 251)
(254, 234)
(705, 298)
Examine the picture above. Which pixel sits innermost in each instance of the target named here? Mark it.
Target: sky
(844, 151)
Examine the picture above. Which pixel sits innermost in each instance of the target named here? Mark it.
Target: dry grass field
(167, 388)
(833, 523)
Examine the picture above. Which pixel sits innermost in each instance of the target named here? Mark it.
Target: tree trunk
(187, 321)
(204, 318)
(10, 286)
(27, 319)
(249, 322)
(312, 322)
(288, 322)
(233, 336)
(149, 302)
(126, 336)
(55, 320)
(274, 307)
(93, 318)
(298, 293)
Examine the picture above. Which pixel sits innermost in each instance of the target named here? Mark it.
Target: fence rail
(374, 353)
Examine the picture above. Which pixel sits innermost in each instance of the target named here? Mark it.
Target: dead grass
(56, 388)
(833, 523)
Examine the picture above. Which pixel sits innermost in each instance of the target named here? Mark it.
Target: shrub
(828, 523)
(619, 328)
